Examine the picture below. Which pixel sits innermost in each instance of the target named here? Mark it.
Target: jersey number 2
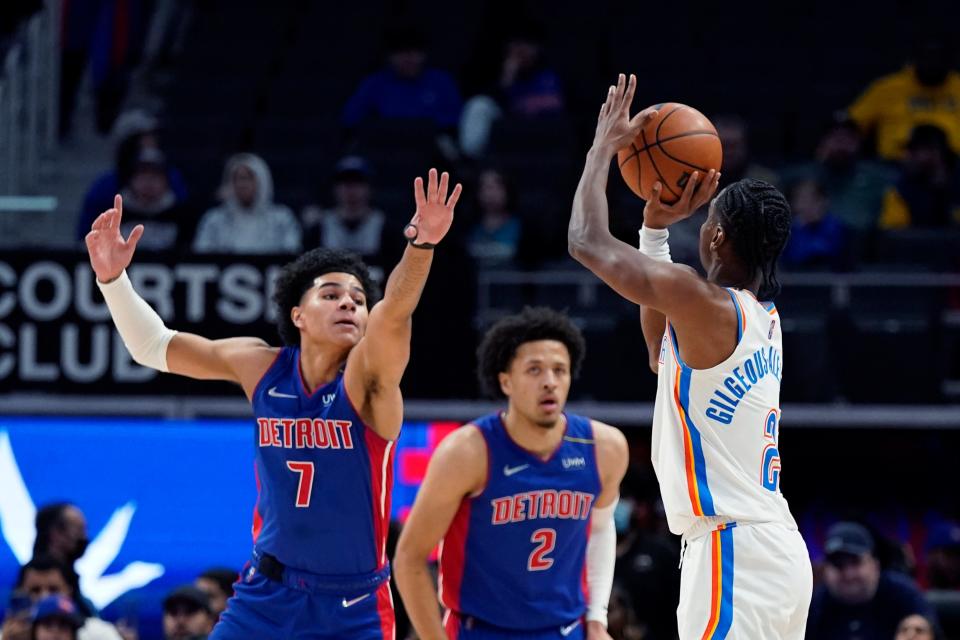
(305, 482)
(770, 462)
(546, 540)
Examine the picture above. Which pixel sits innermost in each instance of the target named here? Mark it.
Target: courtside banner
(56, 334)
(164, 499)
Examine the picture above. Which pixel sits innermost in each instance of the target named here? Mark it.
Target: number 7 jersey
(715, 442)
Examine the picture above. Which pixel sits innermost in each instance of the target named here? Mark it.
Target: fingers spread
(631, 89)
(102, 221)
(455, 196)
(134, 237)
(418, 196)
(688, 190)
(444, 184)
(432, 185)
(641, 119)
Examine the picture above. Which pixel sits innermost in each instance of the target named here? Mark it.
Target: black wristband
(413, 241)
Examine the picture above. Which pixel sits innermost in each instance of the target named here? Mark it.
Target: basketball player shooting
(328, 409)
(515, 496)
(715, 344)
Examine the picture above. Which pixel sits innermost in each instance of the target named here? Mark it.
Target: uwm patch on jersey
(514, 554)
(323, 477)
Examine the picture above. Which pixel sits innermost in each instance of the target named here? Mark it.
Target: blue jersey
(515, 555)
(323, 476)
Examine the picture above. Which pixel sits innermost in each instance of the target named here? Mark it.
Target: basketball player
(328, 410)
(715, 344)
(515, 496)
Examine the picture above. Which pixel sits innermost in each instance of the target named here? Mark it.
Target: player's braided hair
(499, 346)
(756, 216)
(297, 277)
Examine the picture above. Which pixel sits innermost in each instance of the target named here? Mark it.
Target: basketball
(674, 144)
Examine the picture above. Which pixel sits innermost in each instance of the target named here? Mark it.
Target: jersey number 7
(305, 482)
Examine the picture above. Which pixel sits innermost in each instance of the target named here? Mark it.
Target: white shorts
(745, 582)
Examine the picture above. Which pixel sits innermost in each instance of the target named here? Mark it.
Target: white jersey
(715, 431)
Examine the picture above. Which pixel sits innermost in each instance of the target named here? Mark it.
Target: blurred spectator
(622, 619)
(16, 621)
(647, 559)
(737, 162)
(943, 557)
(925, 92)
(148, 199)
(134, 131)
(56, 618)
(854, 185)
(527, 87)
(406, 87)
(354, 223)
(495, 239)
(217, 583)
(187, 614)
(45, 577)
(927, 191)
(13, 14)
(818, 239)
(108, 35)
(62, 535)
(858, 600)
(248, 221)
(917, 627)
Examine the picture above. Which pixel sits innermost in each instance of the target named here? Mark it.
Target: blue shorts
(263, 608)
(461, 627)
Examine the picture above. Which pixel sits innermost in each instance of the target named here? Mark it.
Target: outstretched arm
(150, 342)
(377, 363)
(665, 287)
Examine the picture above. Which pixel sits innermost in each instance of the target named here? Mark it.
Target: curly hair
(757, 218)
(298, 276)
(499, 345)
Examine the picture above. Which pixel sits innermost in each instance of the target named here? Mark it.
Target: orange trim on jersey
(743, 315)
(692, 488)
(716, 583)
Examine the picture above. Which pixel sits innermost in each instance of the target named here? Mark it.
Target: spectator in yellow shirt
(927, 193)
(926, 92)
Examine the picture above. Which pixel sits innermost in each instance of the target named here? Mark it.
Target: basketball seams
(653, 164)
(679, 161)
(642, 145)
(635, 154)
(676, 136)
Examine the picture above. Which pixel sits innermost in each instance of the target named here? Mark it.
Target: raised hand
(657, 215)
(109, 253)
(434, 213)
(615, 128)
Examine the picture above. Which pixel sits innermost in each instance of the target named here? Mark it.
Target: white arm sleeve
(601, 557)
(653, 244)
(142, 330)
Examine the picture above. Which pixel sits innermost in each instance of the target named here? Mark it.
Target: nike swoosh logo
(567, 630)
(273, 393)
(349, 603)
(509, 471)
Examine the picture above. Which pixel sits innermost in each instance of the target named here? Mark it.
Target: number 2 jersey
(715, 442)
(323, 477)
(514, 555)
